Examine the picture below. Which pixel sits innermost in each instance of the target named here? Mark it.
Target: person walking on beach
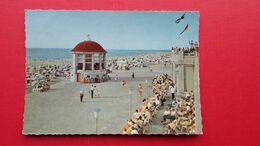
(140, 90)
(133, 75)
(81, 94)
(92, 91)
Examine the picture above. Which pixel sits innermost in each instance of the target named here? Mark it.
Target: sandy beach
(38, 63)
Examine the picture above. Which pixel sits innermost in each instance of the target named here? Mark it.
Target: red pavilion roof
(88, 46)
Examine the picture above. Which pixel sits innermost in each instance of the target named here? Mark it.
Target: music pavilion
(88, 63)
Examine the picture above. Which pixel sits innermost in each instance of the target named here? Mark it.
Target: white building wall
(183, 72)
(189, 78)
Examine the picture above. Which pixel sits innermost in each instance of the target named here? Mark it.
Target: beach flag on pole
(185, 29)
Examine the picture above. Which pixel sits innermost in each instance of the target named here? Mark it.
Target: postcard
(112, 72)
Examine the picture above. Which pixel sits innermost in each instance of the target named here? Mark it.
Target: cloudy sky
(111, 29)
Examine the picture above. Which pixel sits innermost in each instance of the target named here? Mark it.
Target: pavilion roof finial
(88, 37)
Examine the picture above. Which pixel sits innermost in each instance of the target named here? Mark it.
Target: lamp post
(146, 82)
(130, 101)
(163, 67)
(172, 70)
(96, 111)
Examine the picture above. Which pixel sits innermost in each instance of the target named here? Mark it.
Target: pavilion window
(96, 66)
(80, 66)
(88, 60)
(88, 57)
(88, 66)
(80, 57)
(103, 66)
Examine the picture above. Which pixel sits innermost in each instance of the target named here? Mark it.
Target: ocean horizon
(65, 53)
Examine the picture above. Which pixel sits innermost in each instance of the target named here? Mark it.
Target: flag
(185, 29)
(179, 19)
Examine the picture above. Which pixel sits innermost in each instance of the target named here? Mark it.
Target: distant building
(186, 75)
(186, 69)
(88, 62)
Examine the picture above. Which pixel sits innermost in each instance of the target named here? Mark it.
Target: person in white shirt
(157, 101)
(166, 114)
(81, 94)
(172, 116)
(92, 91)
(172, 89)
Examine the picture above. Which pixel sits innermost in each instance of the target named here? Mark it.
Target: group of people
(94, 79)
(140, 89)
(94, 92)
(41, 86)
(185, 50)
(161, 84)
(179, 118)
(38, 77)
(140, 61)
(142, 116)
(124, 81)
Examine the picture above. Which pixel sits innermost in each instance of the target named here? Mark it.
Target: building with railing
(185, 68)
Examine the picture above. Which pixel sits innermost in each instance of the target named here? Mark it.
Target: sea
(59, 53)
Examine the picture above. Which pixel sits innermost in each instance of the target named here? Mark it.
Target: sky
(111, 29)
